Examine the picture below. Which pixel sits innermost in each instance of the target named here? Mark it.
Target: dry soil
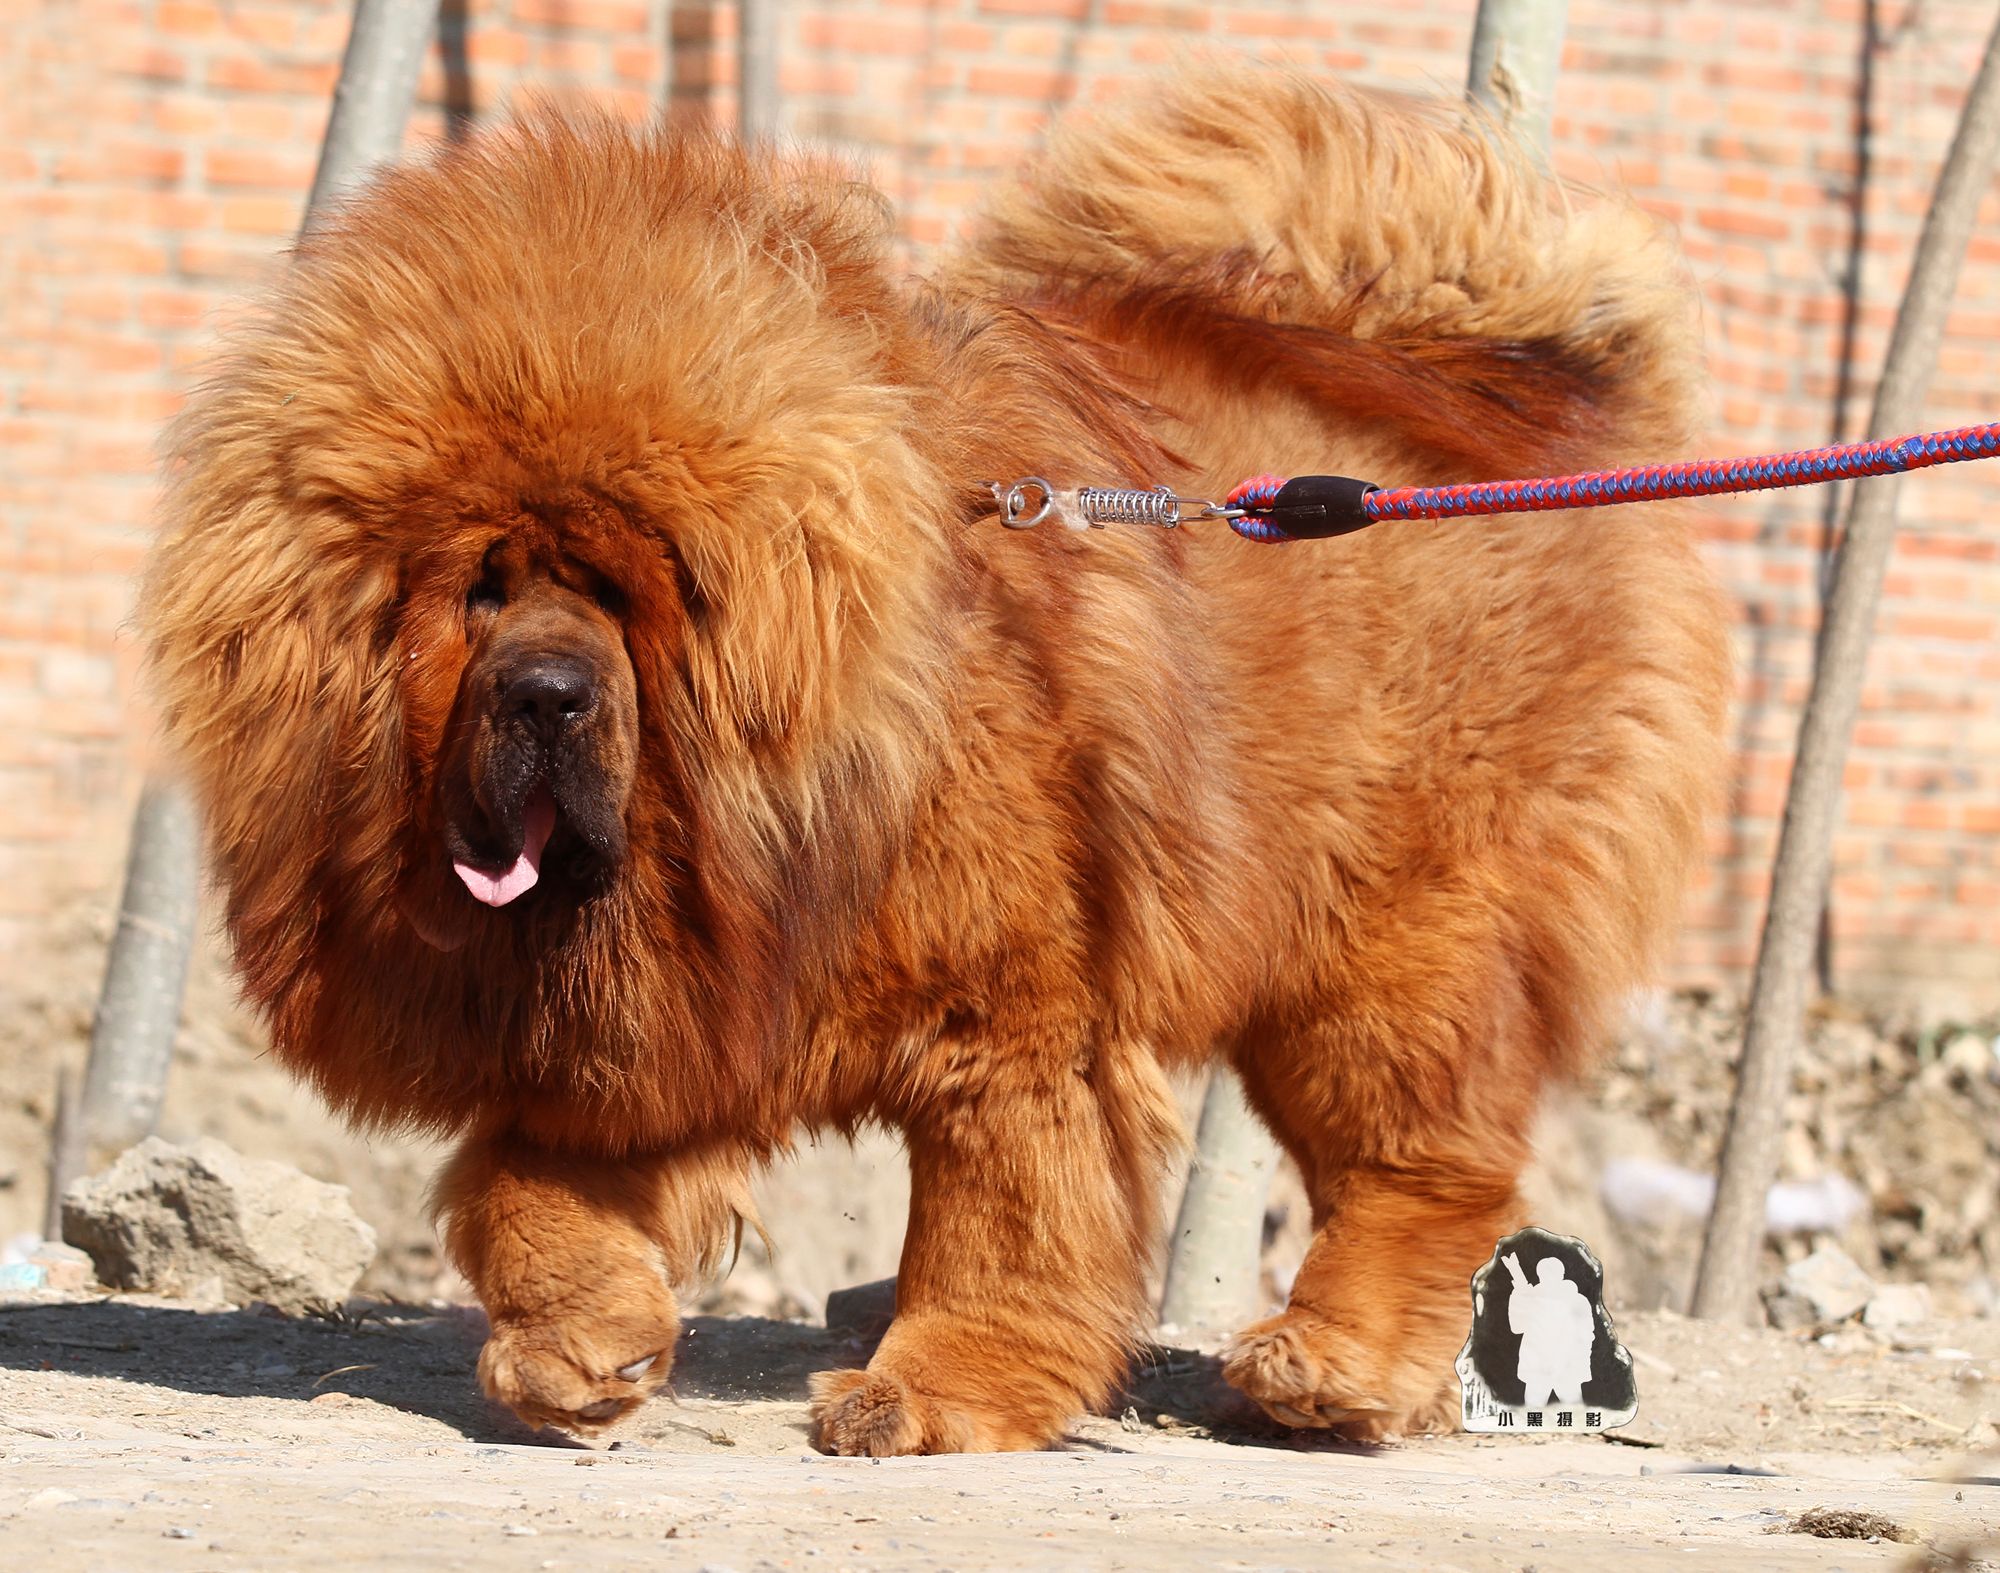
(143, 1433)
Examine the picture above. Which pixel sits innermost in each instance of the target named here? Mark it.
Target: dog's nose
(548, 694)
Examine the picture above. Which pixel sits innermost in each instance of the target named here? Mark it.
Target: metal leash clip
(1032, 500)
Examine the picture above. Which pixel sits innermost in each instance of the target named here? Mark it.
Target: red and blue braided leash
(1314, 507)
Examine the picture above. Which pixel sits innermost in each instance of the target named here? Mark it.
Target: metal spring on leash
(1030, 500)
(1157, 505)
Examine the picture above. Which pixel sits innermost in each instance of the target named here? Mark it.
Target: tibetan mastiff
(628, 737)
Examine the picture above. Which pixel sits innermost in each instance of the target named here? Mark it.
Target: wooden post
(1726, 1287)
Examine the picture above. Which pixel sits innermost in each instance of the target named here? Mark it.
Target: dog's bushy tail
(1386, 258)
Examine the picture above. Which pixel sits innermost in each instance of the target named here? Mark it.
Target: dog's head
(548, 603)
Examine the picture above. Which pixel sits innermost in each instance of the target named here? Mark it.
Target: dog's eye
(485, 596)
(609, 597)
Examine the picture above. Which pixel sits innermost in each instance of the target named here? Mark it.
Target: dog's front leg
(575, 1256)
(1021, 1277)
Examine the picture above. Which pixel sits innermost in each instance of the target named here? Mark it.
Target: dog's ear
(274, 657)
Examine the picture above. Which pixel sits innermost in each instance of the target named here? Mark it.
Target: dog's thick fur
(869, 809)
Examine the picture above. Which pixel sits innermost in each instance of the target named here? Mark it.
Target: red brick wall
(154, 154)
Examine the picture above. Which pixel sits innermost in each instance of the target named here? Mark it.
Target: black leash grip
(1319, 507)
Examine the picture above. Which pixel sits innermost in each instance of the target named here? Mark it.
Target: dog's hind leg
(1020, 1289)
(1405, 1099)
(574, 1257)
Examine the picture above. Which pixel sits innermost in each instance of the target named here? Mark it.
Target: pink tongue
(538, 819)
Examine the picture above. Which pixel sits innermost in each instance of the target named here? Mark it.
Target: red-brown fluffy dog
(628, 737)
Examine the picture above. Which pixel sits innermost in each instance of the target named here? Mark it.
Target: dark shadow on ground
(419, 1360)
(1183, 1390)
(423, 1361)
(406, 1357)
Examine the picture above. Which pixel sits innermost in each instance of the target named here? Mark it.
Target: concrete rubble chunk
(1971, 1054)
(1831, 1282)
(205, 1219)
(63, 1267)
(1898, 1305)
(1790, 1313)
(862, 1311)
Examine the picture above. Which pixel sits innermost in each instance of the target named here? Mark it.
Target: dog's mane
(701, 347)
(696, 361)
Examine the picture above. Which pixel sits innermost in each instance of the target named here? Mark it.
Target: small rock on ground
(1898, 1305)
(175, 1219)
(1831, 1282)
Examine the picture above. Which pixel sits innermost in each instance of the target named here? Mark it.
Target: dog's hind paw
(872, 1414)
(1305, 1373)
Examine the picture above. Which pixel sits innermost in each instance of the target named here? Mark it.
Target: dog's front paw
(875, 1414)
(576, 1375)
(1305, 1372)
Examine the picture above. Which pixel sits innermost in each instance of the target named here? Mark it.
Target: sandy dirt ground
(140, 1433)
